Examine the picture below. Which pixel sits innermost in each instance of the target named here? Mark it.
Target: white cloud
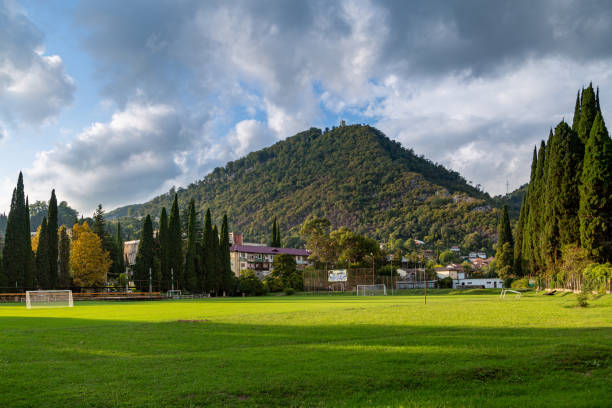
(135, 154)
(34, 87)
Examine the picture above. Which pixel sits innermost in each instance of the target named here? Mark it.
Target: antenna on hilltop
(507, 186)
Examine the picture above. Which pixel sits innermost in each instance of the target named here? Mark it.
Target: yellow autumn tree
(35, 240)
(89, 263)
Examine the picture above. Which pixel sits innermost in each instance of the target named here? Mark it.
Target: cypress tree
(527, 249)
(64, 258)
(42, 257)
(163, 250)
(52, 227)
(17, 252)
(175, 244)
(535, 211)
(218, 260)
(209, 262)
(588, 111)
(275, 241)
(119, 260)
(595, 211)
(144, 257)
(562, 196)
(505, 244)
(31, 259)
(191, 255)
(576, 119)
(518, 240)
(225, 256)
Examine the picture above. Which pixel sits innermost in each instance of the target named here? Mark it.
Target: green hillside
(353, 175)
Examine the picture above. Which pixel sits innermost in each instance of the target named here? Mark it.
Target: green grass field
(467, 350)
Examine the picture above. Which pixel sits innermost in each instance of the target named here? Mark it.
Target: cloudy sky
(117, 101)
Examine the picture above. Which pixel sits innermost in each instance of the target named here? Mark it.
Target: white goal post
(372, 290)
(502, 295)
(49, 298)
(174, 294)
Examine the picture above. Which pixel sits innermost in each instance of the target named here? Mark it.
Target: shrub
(249, 284)
(273, 283)
(445, 283)
(582, 299)
(508, 282)
(289, 291)
(522, 283)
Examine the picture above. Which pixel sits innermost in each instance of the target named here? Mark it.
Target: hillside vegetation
(353, 175)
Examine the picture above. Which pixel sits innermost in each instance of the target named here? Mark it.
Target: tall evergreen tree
(561, 200)
(52, 228)
(228, 275)
(31, 267)
(218, 265)
(527, 248)
(505, 244)
(144, 256)
(275, 240)
(191, 254)
(209, 261)
(175, 245)
(535, 210)
(42, 257)
(576, 120)
(588, 111)
(99, 226)
(63, 258)
(518, 240)
(17, 252)
(163, 250)
(119, 260)
(595, 211)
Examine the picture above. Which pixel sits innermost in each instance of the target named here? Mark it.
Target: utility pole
(371, 253)
(172, 277)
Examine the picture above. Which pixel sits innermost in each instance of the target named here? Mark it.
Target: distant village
(246, 255)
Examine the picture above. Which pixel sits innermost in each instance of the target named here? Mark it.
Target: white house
(485, 283)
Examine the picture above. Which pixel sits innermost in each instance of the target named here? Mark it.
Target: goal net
(174, 294)
(372, 290)
(48, 298)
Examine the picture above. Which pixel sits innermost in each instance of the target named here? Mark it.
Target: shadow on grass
(74, 362)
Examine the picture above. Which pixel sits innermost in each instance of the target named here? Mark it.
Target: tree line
(565, 222)
(201, 263)
(86, 256)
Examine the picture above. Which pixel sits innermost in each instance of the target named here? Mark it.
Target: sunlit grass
(469, 349)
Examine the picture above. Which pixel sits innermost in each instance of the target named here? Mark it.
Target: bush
(273, 283)
(445, 283)
(289, 291)
(249, 284)
(508, 282)
(522, 283)
(582, 299)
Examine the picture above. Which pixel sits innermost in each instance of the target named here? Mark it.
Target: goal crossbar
(49, 298)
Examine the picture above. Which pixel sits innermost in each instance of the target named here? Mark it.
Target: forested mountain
(353, 175)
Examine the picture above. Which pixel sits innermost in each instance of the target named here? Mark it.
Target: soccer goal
(48, 298)
(174, 294)
(372, 290)
(502, 295)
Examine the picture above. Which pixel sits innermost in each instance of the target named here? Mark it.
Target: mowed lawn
(465, 350)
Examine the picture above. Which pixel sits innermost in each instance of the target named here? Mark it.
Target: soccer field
(470, 349)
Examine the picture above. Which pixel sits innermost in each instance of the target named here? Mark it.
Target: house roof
(252, 249)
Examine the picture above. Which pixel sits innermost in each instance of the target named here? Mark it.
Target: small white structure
(485, 283)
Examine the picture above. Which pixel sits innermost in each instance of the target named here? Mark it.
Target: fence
(317, 281)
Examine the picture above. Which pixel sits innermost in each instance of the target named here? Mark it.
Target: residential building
(455, 249)
(261, 258)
